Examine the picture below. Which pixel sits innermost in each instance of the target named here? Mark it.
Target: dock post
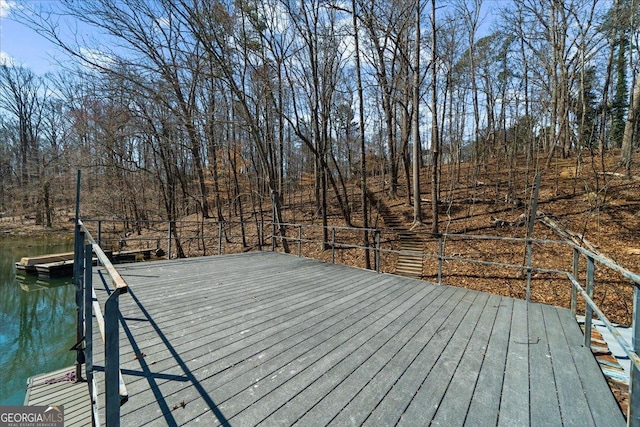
(529, 256)
(299, 240)
(588, 313)
(440, 255)
(169, 241)
(333, 245)
(532, 220)
(78, 267)
(220, 225)
(273, 236)
(377, 258)
(88, 316)
(574, 290)
(112, 360)
(78, 260)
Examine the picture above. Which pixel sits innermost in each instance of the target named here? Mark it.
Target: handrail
(605, 261)
(633, 356)
(108, 323)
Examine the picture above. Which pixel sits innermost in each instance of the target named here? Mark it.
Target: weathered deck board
(515, 388)
(51, 389)
(271, 339)
(545, 408)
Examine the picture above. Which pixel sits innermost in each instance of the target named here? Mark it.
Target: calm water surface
(37, 318)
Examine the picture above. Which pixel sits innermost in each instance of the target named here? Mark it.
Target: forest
(222, 109)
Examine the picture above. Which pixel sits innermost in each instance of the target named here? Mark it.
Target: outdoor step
(411, 275)
(409, 270)
(417, 248)
(417, 263)
(412, 266)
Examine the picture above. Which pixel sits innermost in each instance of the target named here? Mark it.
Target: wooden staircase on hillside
(411, 246)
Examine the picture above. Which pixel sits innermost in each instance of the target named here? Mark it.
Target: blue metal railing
(108, 323)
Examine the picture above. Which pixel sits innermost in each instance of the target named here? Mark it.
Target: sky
(20, 45)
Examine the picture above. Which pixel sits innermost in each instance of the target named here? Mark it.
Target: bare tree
(435, 136)
(363, 154)
(417, 210)
(152, 43)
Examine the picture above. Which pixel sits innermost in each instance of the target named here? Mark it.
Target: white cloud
(94, 56)
(5, 7)
(6, 59)
(163, 22)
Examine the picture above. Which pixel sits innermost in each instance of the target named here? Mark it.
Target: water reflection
(37, 319)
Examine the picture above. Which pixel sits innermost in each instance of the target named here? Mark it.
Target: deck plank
(457, 398)
(599, 399)
(73, 396)
(573, 404)
(339, 362)
(360, 406)
(346, 378)
(515, 388)
(485, 403)
(273, 353)
(390, 410)
(427, 400)
(545, 408)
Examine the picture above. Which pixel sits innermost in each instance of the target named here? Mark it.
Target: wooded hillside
(229, 109)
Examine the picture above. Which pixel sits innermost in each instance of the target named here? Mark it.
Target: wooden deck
(272, 339)
(59, 388)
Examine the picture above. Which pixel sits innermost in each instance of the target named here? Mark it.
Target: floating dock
(61, 388)
(29, 264)
(61, 265)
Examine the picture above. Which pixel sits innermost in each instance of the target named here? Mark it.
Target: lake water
(37, 318)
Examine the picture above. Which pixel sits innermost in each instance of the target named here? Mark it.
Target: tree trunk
(630, 138)
(417, 211)
(435, 144)
(363, 153)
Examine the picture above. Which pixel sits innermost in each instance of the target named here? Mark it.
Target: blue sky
(23, 46)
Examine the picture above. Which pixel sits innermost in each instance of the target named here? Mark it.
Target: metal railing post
(88, 316)
(112, 360)
(169, 240)
(440, 255)
(100, 233)
(220, 225)
(574, 291)
(333, 245)
(78, 272)
(633, 414)
(260, 225)
(273, 236)
(529, 250)
(299, 240)
(377, 256)
(588, 315)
